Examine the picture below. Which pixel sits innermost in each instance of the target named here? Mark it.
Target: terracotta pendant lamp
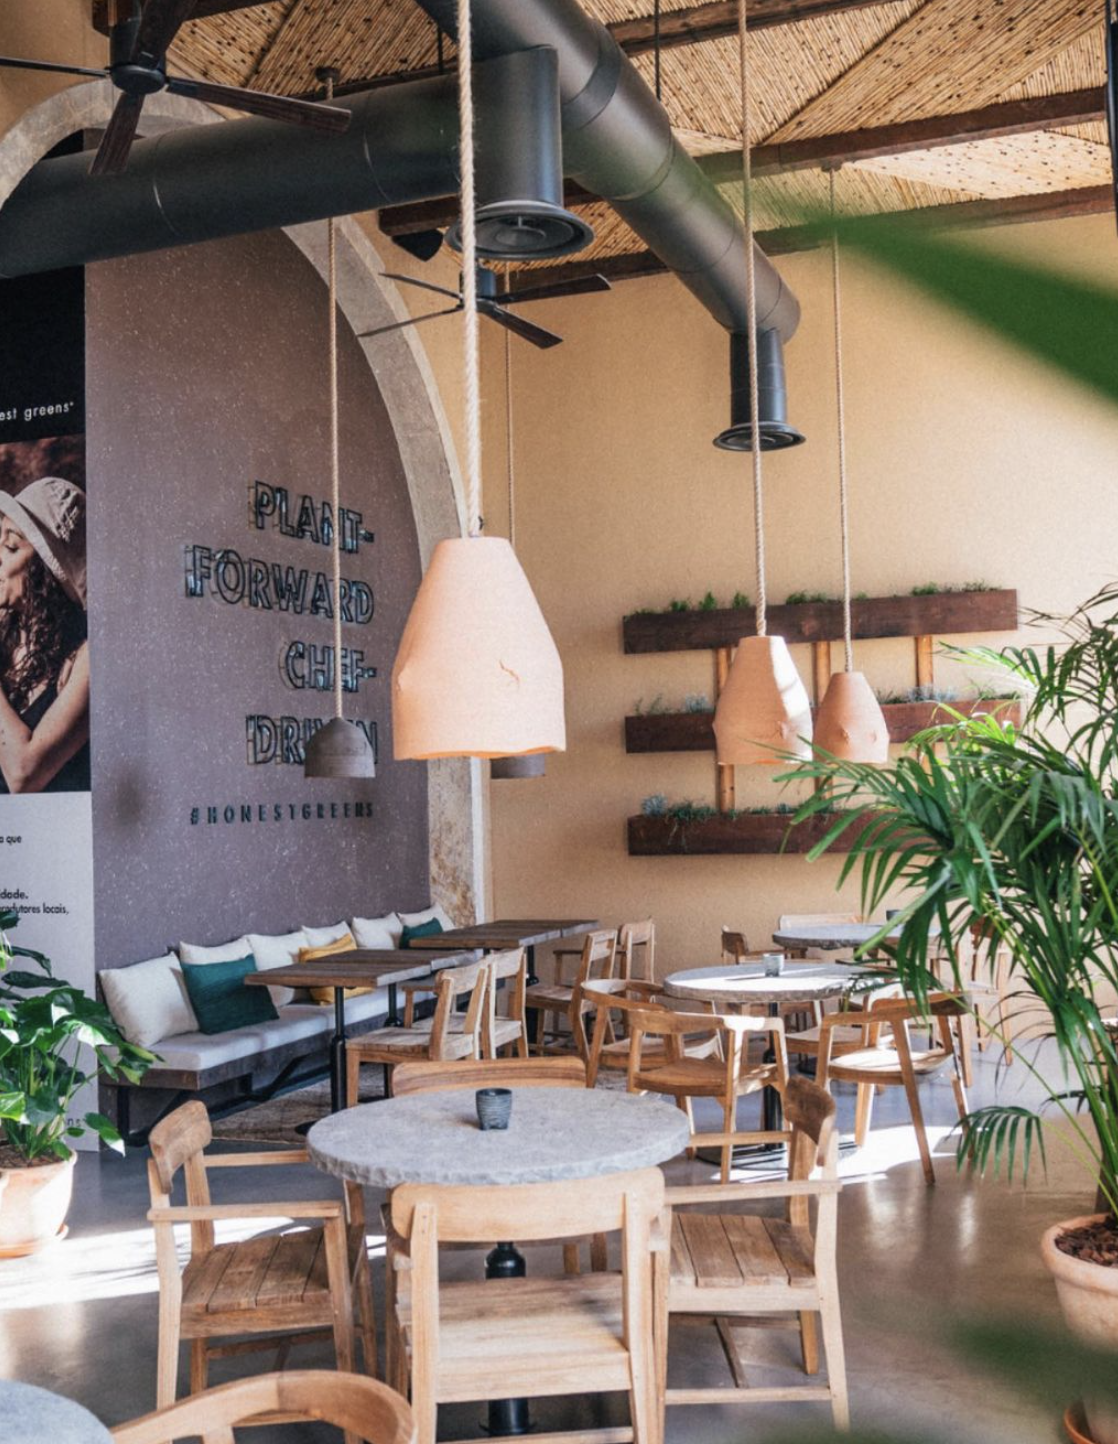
(477, 673)
(763, 712)
(850, 724)
(339, 748)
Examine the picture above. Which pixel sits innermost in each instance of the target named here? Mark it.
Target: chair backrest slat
(180, 1136)
(633, 939)
(735, 946)
(598, 954)
(489, 1073)
(452, 984)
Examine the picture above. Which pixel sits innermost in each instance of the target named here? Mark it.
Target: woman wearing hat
(44, 654)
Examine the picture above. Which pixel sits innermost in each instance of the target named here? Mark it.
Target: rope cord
(656, 46)
(751, 308)
(335, 446)
(509, 455)
(844, 519)
(469, 270)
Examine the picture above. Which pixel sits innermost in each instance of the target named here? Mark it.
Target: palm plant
(1011, 835)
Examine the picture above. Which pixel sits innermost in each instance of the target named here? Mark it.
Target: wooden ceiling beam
(718, 19)
(203, 9)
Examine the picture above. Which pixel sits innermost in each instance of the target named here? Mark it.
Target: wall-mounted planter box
(943, 614)
(748, 833)
(694, 731)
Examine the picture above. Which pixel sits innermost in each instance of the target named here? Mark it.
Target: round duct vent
(525, 230)
(775, 436)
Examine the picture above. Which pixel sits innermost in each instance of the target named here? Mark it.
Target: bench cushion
(382, 932)
(149, 1000)
(278, 950)
(323, 937)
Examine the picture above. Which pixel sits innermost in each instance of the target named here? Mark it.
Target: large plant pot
(1088, 1294)
(34, 1203)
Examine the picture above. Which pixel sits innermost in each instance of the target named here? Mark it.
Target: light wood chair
(449, 1034)
(725, 1078)
(560, 1000)
(636, 953)
(610, 1045)
(291, 1286)
(539, 1336)
(553, 1072)
(735, 946)
(730, 1266)
(845, 1037)
(892, 1061)
(509, 1029)
(365, 1409)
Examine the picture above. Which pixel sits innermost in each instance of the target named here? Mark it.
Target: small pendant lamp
(763, 712)
(339, 748)
(850, 725)
(478, 673)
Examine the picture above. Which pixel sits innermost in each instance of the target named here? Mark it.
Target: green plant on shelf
(697, 702)
(654, 709)
(655, 805)
(680, 604)
(799, 599)
(741, 602)
(709, 603)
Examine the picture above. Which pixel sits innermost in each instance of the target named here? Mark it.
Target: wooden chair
(290, 1286)
(892, 1062)
(725, 1078)
(735, 946)
(845, 1037)
(609, 1046)
(636, 953)
(735, 1265)
(560, 1000)
(510, 1029)
(539, 1336)
(553, 1072)
(366, 1410)
(449, 1034)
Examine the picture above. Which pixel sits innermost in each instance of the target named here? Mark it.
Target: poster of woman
(44, 652)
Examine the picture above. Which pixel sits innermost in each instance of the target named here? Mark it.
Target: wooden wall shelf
(694, 731)
(747, 833)
(941, 614)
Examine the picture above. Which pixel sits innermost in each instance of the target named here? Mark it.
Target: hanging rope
(751, 309)
(469, 270)
(335, 446)
(509, 460)
(656, 45)
(844, 522)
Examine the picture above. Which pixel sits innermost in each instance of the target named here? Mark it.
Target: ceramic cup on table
(774, 964)
(494, 1107)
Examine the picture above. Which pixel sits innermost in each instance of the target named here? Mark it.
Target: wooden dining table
(502, 933)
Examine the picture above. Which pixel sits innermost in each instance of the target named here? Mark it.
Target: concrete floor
(81, 1317)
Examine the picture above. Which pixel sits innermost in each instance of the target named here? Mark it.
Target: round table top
(831, 937)
(554, 1133)
(27, 1413)
(799, 982)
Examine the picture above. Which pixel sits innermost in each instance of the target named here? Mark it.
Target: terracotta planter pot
(34, 1203)
(1088, 1295)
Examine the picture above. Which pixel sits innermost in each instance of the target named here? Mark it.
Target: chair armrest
(660, 1234)
(256, 1160)
(197, 1212)
(737, 1192)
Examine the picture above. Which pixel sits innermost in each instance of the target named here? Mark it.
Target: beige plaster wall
(46, 30)
(967, 461)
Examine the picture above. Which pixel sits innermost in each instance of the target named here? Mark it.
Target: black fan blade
(116, 143)
(330, 118)
(423, 245)
(159, 24)
(582, 287)
(423, 285)
(519, 327)
(12, 64)
(414, 321)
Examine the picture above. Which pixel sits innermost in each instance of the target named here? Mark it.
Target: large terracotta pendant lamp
(477, 673)
(339, 748)
(763, 713)
(850, 724)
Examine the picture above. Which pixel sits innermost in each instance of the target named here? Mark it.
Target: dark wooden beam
(202, 10)
(718, 19)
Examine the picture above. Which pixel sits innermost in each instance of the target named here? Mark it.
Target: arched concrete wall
(401, 370)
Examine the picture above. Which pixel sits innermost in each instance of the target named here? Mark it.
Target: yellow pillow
(343, 945)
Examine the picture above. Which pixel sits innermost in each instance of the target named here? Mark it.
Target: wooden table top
(363, 967)
(508, 933)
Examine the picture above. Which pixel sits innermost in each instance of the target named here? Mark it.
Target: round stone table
(832, 937)
(29, 1415)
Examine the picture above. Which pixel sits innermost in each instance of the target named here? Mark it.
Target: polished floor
(81, 1318)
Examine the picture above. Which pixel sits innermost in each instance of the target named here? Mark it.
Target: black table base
(506, 1416)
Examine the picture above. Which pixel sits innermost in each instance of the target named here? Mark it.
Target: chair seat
(506, 1030)
(735, 1250)
(702, 1077)
(847, 1038)
(260, 1277)
(549, 995)
(546, 1330)
(409, 1042)
(884, 1064)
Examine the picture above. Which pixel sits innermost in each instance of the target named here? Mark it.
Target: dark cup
(891, 913)
(494, 1107)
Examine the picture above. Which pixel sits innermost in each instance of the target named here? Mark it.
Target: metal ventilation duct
(772, 397)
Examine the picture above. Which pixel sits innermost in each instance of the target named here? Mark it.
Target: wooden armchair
(740, 1266)
(366, 1410)
(449, 1034)
(291, 1286)
(735, 946)
(510, 1029)
(609, 1045)
(543, 1337)
(560, 1000)
(636, 953)
(670, 1068)
(892, 1062)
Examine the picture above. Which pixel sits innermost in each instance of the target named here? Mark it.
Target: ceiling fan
(138, 42)
(491, 302)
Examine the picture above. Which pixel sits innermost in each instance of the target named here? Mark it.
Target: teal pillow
(220, 1000)
(421, 930)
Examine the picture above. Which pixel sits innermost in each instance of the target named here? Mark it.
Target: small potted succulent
(54, 1040)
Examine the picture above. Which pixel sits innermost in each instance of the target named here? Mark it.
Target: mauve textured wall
(207, 374)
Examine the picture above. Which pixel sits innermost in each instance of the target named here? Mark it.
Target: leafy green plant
(697, 702)
(708, 603)
(927, 589)
(798, 599)
(1011, 836)
(655, 805)
(44, 1025)
(741, 602)
(680, 604)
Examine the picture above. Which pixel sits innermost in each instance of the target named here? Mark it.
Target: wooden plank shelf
(938, 615)
(694, 731)
(747, 833)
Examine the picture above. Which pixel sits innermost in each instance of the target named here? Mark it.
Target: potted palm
(53, 1041)
(1011, 834)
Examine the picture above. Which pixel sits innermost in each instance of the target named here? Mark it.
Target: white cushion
(277, 951)
(413, 920)
(382, 932)
(149, 1000)
(192, 1051)
(323, 937)
(222, 953)
(367, 1005)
